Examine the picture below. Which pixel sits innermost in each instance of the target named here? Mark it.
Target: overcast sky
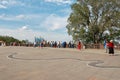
(26, 19)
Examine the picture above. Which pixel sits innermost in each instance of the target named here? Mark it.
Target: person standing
(107, 46)
(34, 44)
(111, 47)
(79, 45)
(106, 43)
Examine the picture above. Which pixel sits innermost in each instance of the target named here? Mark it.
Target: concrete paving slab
(28, 63)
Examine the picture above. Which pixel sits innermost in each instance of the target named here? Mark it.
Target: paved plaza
(28, 63)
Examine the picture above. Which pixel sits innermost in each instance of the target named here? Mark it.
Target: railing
(117, 46)
(99, 46)
(93, 46)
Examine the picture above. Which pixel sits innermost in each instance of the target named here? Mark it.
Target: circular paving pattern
(93, 63)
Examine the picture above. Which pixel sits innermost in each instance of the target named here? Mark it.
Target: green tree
(8, 39)
(90, 19)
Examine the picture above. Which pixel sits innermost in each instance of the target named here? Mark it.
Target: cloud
(35, 18)
(9, 3)
(2, 16)
(60, 1)
(31, 34)
(50, 22)
(24, 28)
(4, 2)
(12, 17)
(2, 6)
(54, 22)
(16, 33)
(6, 17)
(20, 16)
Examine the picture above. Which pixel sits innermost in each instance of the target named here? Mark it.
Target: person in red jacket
(111, 47)
(79, 45)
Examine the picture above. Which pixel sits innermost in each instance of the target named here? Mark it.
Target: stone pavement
(28, 63)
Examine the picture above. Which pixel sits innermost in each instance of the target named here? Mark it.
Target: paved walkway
(28, 63)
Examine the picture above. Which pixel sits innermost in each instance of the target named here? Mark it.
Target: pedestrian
(34, 44)
(106, 45)
(79, 45)
(111, 48)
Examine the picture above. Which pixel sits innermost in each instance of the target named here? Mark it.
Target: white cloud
(12, 17)
(6, 17)
(20, 16)
(2, 16)
(60, 1)
(4, 2)
(19, 34)
(8, 3)
(24, 28)
(2, 6)
(54, 22)
(30, 34)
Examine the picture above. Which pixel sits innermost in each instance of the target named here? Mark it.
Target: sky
(27, 19)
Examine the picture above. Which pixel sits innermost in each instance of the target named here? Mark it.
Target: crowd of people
(59, 44)
(108, 45)
(55, 44)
